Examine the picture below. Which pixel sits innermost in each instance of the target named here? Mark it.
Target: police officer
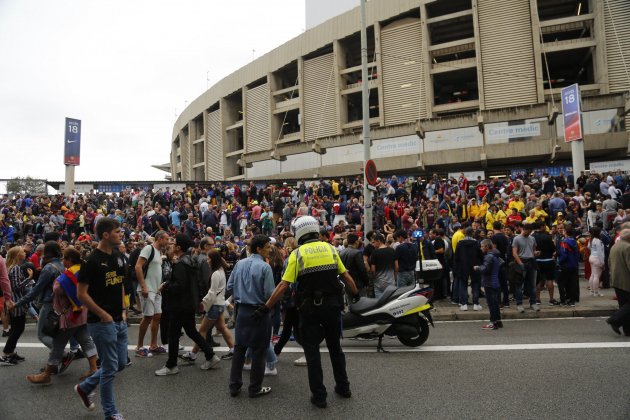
(314, 267)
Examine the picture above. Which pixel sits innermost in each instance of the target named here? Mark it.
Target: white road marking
(482, 347)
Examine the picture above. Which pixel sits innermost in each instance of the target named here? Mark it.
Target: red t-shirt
(482, 190)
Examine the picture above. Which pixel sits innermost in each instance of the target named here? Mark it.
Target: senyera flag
(72, 142)
(572, 113)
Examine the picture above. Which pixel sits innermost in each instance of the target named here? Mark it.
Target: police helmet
(302, 226)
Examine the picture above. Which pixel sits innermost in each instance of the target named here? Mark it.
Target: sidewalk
(588, 306)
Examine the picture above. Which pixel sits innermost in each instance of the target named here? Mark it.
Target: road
(549, 368)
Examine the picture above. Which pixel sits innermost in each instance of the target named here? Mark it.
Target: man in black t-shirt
(101, 290)
(545, 262)
(368, 248)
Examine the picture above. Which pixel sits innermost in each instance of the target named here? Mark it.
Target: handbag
(51, 324)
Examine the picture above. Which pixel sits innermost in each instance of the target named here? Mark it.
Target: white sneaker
(300, 362)
(600, 294)
(166, 371)
(247, 366)
(463, 307)
(209, 364)
(520, 308)
(271, 372)
(535, 307)
(189, 357)
(476, 307)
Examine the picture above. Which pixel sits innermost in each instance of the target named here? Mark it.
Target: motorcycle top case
(429, 270)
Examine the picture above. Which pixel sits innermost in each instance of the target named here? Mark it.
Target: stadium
(457, 85)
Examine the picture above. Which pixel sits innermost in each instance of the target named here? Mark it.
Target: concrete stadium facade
(454, 85)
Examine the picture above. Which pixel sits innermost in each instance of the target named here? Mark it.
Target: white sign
(610, 166)
(398, 146)
(498, 133)
(164, 187)
(458, 138)
(471, 176)
(78, 188)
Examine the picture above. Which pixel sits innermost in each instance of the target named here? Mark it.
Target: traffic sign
(370, 172)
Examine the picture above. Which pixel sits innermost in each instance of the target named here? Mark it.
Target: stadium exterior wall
(454, 85)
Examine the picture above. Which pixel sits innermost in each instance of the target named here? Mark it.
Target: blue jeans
(43, 314)
(528, 283)
(270, 358)
(111, 343)
(475, 286)
(405, 278)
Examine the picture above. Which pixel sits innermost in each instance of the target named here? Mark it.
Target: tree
(26, 185)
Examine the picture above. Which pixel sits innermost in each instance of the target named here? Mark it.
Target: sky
(126, 69)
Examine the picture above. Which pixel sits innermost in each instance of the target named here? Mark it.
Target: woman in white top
(597, 260)
(594, 214)
(214, 305)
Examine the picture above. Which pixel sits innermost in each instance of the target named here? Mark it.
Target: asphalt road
(531, 369)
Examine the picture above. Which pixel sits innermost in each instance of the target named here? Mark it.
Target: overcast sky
(122, 67)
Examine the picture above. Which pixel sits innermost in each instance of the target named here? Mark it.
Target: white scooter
(403, 313)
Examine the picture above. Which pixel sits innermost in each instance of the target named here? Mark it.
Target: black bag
(51, 324)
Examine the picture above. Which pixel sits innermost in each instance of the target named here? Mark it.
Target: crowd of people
(169, 255)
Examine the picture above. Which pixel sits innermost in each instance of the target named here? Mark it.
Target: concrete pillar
(69, 179)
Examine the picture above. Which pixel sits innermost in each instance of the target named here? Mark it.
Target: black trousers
(164, 321)
(186, 320)
(568, 285)
(17, 328)
(290, 326)
(621, 317)
(326, 320)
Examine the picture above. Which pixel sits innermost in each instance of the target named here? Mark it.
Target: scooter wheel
(418, 340)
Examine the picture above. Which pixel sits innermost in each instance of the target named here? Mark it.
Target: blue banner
(571, 113)
(72, 142)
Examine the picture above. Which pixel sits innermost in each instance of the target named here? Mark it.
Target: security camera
(556, 147)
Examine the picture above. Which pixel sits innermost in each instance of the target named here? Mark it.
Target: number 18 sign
(72, 142)
(572, 113)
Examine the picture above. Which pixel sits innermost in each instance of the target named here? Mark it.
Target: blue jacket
(490, 269)
(568, 255)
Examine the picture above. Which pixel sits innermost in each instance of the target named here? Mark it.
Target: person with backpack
(183, 299)
(52, 266)
(148, 270)
(489, 270)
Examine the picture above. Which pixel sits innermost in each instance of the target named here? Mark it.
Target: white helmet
(304, 225)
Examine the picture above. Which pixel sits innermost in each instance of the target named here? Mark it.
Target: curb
(528, 314)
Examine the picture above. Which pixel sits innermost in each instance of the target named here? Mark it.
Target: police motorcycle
(403, 312)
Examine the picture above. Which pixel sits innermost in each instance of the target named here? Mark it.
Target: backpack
(200, 285)
(145, 267)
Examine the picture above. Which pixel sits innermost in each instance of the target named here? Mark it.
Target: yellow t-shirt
(490, 219)
(518, 205)
(457, 236)
(540, 214)
(483, 209)
(501, 217)
(312, 257)
(473, 210)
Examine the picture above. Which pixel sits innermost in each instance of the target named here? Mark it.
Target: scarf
(68, 281)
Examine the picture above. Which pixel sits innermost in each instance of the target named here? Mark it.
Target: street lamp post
(367, 194)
